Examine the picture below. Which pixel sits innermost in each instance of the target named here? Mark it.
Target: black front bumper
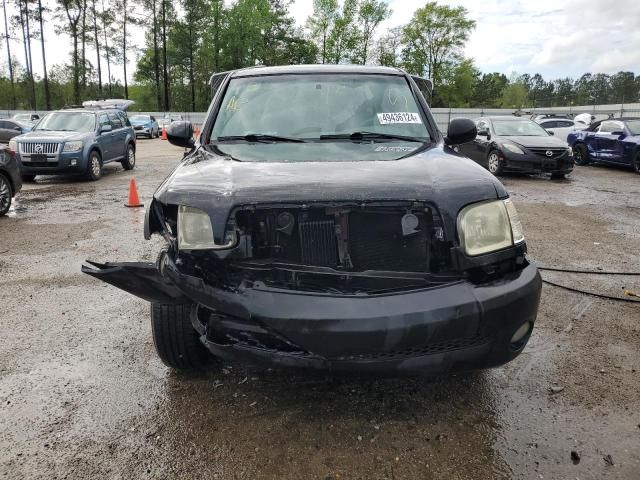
(533, 163)
(457, 326)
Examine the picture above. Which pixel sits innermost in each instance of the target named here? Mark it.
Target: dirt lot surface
(83, 395)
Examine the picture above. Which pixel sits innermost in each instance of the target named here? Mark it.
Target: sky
(556, 38)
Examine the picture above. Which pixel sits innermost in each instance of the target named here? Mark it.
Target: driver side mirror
(550, 132)
(619, 133)
(105, 128)
(180, 134)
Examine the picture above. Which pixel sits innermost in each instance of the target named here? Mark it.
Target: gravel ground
(82, 394)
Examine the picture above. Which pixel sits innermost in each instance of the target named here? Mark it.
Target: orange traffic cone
(164, 133)
(134, 201)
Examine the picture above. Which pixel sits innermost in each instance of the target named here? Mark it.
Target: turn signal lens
(514, 218)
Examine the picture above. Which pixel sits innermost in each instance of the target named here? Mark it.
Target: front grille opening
(402, 239)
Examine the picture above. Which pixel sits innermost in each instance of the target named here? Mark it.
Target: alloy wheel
(494, 163)
(5, 194)
(131, 157)
(95, 166)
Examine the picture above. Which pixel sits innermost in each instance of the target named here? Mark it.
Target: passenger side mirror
(619, 133)
(484, 132)
(105, 128)
(17, 128)
(460, 130)
(550, 132)
(180, 134)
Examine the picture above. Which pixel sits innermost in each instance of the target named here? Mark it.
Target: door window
(124, 119)
(115, 120)
(103, 120)
(4, 125)
(608, 127)
(565, 123)
(551, 124)
(482, 125)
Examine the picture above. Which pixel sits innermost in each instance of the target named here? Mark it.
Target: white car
(561, 127)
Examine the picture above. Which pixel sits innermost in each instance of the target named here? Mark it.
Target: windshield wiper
(260, 137)
(371, 136)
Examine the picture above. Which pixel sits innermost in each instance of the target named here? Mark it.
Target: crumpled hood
(55, 136)
(536, 142)
(216, 184)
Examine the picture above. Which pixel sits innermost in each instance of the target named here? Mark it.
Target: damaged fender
(141, 279)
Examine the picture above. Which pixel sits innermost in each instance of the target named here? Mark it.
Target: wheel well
(97, 150)
(133, 145)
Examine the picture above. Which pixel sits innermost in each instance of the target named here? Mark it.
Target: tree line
(186, 41)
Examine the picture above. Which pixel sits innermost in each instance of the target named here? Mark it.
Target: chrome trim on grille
(48, 148)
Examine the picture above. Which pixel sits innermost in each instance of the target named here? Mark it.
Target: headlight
(489, 226)
(195, 231)
(13, 145)
(72, 146)
(512, 148)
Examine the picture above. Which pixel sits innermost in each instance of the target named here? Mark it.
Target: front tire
(494, 164)
(176, 341)
(636, 163)
(580, 155)
(6, 194)
(94, 167)
(129, 160)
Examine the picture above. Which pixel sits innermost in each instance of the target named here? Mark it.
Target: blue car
(146, 125)
(76, 141)
(608, 141)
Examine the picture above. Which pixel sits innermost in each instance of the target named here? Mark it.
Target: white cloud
(554, 38)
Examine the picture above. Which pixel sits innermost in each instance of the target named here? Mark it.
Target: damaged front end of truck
(336, 285)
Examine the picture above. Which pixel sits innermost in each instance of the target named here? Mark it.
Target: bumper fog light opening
(520, 336)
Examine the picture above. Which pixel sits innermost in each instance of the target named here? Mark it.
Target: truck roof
(293, 69)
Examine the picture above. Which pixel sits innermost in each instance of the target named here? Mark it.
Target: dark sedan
(10, 181)
(341, 232)
(514, 144)
(12, 128)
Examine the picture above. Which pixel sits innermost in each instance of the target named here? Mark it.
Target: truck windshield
(311, 106)
(518, 128)
(68, 122)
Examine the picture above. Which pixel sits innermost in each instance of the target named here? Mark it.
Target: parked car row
(552, 144)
